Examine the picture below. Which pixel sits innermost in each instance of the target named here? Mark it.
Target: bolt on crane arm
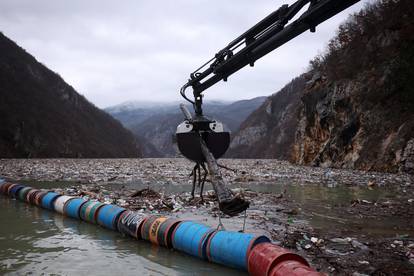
(270, 33)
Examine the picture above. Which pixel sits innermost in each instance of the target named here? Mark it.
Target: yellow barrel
(155, 226)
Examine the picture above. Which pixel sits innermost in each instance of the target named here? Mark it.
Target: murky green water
(34, 241)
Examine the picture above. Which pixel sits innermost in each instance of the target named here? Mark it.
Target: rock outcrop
(42, 116)
(356, 109)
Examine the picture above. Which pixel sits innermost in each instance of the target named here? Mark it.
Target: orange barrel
(293, 268)
(155, 226)
(265, 256)
(59, 204)
(23, 193)
(232, 248)
(130, 223)
(89, 211)
(4, 188)
(145, 229)
(166, 230)
(30, 195)
(38, 198)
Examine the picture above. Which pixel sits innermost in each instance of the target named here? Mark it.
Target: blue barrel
(232, 248)
(108, 216)
(49, 199)
(2, 181)
(72, 207)
(191, 237)
(13, 192)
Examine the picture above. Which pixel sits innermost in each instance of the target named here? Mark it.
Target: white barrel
(60, 203)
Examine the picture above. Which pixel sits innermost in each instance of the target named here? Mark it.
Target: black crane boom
(270, 33)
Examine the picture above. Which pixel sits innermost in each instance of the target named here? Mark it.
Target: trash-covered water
(324, 206)
(34, 241)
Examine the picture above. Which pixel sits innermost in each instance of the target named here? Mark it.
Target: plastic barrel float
(33, 196)
(191, 237)
(21, 195)
(232, 248)
(13, 192)
(59, 204)
(239, 250)
(38, 198)
(293, 268)
(265, 256)
(166, 230)
(108, 216)
(4, 188)
(146, 225)
(30, 194)
(72, 207)
(153, 231)
(48, 200)
(130, 224)
(89, 211)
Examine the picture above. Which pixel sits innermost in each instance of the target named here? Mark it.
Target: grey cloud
(114, 51)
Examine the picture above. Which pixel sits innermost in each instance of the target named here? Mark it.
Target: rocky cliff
(354, 108)
(42, 116)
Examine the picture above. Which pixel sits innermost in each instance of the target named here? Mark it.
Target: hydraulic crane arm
(273, 31)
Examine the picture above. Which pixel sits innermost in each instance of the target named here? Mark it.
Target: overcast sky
(117, 51)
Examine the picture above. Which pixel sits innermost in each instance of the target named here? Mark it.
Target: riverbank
(343, 222)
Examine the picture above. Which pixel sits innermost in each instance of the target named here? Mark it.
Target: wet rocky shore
(344, 222)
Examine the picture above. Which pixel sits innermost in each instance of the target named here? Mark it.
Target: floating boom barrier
(244, 251)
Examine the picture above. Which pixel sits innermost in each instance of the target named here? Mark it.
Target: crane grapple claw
(188, 138)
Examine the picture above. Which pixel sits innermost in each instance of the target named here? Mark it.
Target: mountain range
(155, 123)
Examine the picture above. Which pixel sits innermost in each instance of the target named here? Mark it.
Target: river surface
(34, 241)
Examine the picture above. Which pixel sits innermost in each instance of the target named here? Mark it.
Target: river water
(34, 241)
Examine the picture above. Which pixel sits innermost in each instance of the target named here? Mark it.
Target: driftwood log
(229, 204)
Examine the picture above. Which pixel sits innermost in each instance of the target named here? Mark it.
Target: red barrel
(265, 256)
(30, 195)
(166, 230)
(293, 268)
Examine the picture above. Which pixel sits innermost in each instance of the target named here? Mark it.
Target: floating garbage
(239, 250)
